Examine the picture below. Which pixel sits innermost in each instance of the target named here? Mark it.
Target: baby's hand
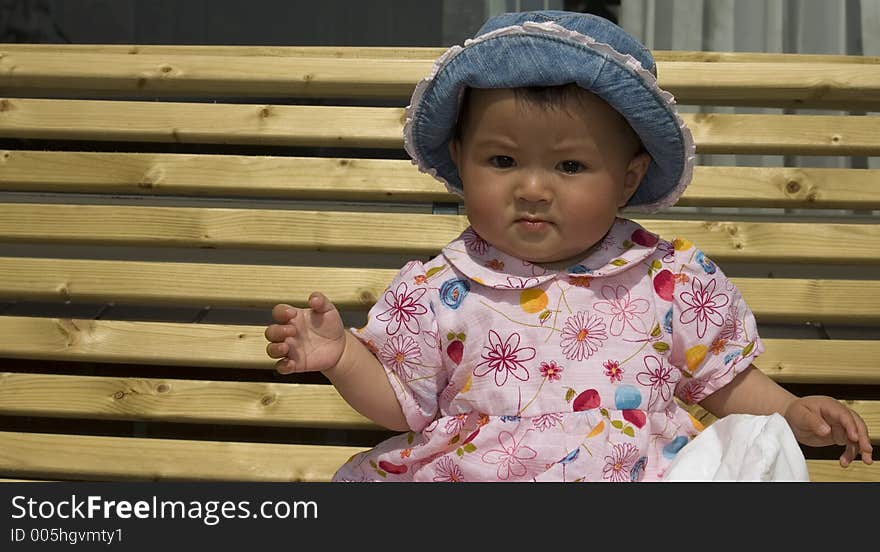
(306, 340)
(819, 421)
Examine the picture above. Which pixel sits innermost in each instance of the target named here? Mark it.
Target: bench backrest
(158, 200)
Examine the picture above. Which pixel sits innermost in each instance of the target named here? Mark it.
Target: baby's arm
(314, 339)
(815, 420)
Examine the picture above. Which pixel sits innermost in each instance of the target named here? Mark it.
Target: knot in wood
(163, 388)
(792, 186)
(267, 400)
(119, 395)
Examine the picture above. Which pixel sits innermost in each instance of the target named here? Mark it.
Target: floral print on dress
(505, 358)
(507, 371)
(403, 308)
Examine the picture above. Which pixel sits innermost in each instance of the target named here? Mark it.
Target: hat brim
(546, 54)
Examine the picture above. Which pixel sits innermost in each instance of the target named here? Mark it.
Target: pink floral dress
(510, 372)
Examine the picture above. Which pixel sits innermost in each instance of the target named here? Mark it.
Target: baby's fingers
(277, 350)
(864, 440)
(277, 333)
(319, 303)
(283, 313)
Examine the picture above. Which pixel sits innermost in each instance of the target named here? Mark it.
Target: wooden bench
(158, 200)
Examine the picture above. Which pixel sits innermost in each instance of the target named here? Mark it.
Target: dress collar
(625, 244)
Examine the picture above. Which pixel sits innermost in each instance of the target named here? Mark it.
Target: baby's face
(545, 184)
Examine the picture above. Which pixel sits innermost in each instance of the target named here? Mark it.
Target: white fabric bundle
(741, 447)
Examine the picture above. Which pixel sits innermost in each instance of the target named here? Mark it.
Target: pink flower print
(668, 251)
(455, 424)
(431, 339)
(519, 283)
(693, 391)
(546, 421)
(448, 471)
(504, 358)
(551, 370)
(620, 462)
(732, 328)
(403, 308)
(622, 308)
(613, 370)
(582, 336)
(657, 377)
(401, 354)
(703, 304)
(474, 242)
(510, 456)
(606, 242)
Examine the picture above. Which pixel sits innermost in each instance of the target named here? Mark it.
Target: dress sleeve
(401, 331)
(714, 333)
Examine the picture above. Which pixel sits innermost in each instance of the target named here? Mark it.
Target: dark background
(258, 22)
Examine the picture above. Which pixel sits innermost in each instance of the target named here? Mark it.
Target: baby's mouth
(532, 224)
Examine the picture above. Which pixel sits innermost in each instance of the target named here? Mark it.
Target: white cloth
(741, 447)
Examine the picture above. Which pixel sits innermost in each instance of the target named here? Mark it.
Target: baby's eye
(570, 167)
(502, 161)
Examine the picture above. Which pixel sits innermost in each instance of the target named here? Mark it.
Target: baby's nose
(532, 187)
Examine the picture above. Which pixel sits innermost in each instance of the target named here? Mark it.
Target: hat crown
(594, 26)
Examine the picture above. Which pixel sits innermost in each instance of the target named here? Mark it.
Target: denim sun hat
(548, 48)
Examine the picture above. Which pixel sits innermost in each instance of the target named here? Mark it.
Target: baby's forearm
(360, 379)
(750, 392)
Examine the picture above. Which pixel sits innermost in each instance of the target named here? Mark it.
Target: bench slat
(780, 300)
(39, 455)
(340, 179)
(176, 122)
(167, 400)
(402, 52)
(784, 84)
(388, 179)
(327, 126)
(240, 346)
(209, 402)
(366, 232)
(33, 455)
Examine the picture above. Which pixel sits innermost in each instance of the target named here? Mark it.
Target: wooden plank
(829, 471)
(207, 402)
(819, 361)
(120, 341)
(50, 456)
(211, 123)
(375, 232)
(219, 175)
(209, 76)
(348, 179)
(326, 126)
(784, 84)
(784, 134)
(32, 455)
(773, 300)
(174, 400)
(788, 187)
(186, 284)
(848, 86)
(398, 52)
(241, 346)
(219, 228)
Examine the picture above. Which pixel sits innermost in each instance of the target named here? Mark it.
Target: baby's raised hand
(819, 421)
(306, 340)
